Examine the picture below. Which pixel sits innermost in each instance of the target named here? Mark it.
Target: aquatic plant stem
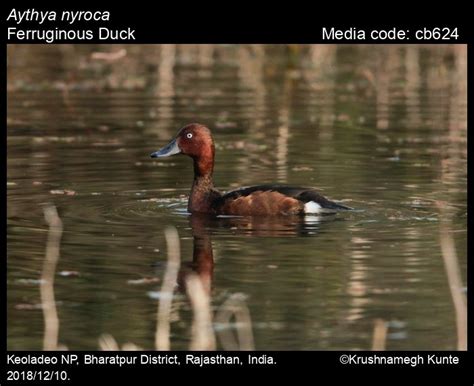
(202, 333)
(162, 335)
(50, 314)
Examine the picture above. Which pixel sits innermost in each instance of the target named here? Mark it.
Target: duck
(195, 140)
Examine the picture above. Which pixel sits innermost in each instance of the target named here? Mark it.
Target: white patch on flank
(312, 207)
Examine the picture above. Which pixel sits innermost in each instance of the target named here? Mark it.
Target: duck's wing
(274, 199)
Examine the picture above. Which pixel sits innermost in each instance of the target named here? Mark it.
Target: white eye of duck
(189, 135)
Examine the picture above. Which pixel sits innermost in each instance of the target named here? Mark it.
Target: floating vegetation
(69, 273)
(66, 192)
(145, 280)
(302, 168)
(29, 281)
(157, 295)
(27, 306)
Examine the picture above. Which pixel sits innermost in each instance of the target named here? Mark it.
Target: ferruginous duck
(196, 141)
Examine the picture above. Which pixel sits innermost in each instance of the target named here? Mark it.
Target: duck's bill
(170, 149)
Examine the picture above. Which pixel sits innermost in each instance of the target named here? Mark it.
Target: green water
(381, 128)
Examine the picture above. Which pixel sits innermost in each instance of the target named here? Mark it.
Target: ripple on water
(123, 208)
(138, 209)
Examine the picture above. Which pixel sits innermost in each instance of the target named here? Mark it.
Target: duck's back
(265, 200)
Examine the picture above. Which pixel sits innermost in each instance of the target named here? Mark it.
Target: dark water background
(380, 128)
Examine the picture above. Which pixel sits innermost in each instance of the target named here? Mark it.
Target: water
(379, 128)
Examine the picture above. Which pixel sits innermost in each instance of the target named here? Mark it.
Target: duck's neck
(202, 191)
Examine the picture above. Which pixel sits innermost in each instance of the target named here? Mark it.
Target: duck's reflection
(203, 259)
(273, 226)
(202, 226)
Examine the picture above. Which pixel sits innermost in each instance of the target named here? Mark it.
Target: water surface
(379, 128)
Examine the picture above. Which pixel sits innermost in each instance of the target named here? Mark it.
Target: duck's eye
(189, 135)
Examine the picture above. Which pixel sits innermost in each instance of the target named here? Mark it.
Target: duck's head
(194, 140)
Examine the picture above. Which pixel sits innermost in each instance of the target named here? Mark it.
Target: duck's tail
(342, 207)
